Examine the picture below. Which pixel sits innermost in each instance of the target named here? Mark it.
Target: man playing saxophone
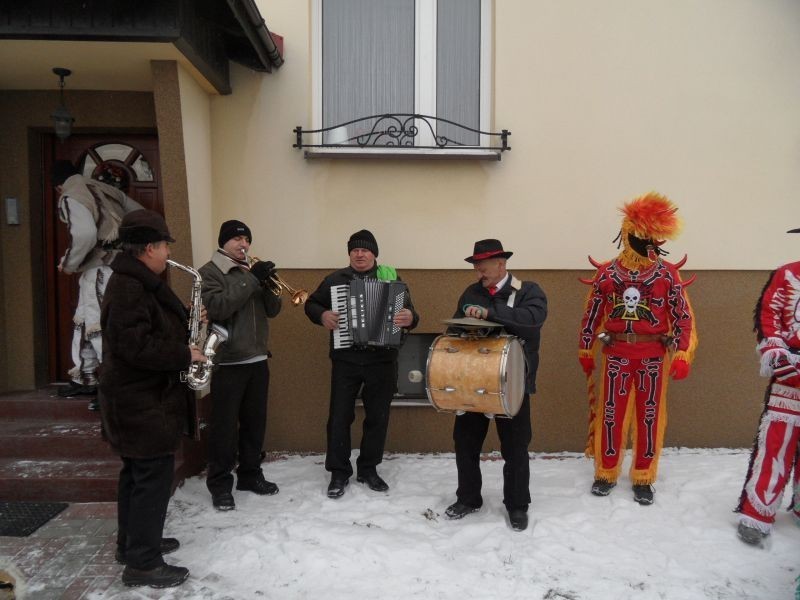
(143, 401)
(239, 297)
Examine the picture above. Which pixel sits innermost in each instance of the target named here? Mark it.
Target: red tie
(492, 290)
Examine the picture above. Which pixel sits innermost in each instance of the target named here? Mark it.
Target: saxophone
(199, 374)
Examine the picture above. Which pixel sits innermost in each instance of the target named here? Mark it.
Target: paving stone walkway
(72, 557)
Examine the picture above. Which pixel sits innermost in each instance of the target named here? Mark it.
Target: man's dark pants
(145, 485)
(380, 383)
(238, 423)
(469, 434)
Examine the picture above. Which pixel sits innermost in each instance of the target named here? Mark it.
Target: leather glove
(786, 373)
(679, 369)
(587, 364)
(263, 270)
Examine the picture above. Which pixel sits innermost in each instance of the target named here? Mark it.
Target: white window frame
(425, 73)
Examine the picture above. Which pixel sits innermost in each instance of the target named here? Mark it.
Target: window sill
(403, 153)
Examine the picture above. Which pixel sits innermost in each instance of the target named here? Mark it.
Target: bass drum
(485, 375)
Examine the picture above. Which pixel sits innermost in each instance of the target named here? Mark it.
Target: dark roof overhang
(209, 33)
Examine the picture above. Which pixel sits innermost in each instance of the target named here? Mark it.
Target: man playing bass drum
(521, 308)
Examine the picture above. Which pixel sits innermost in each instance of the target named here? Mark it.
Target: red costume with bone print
(639, 310)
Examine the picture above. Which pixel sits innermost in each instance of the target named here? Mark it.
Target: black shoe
(161, 577)
(76, 389)
(259, 486)
(223, 501)
(603, 488)
(167, 546)
(750, 535)
(94, 405)
(374, 481)
(518, 519)
(336, 487)
(459, 511)
(644, 494)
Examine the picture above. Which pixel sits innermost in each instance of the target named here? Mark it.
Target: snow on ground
(300, 544)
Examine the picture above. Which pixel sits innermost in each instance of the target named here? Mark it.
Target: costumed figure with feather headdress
(777, 445)
(638, 312)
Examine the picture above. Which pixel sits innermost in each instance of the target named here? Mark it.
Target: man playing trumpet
(238, 295)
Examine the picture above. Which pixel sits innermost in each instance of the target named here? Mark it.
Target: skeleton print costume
(639, 313)
(776, 449)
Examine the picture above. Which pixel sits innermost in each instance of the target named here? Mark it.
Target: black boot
(644, 494)
(167, 546)
(518, 519)
(457, 510)
(336, 486)
(602, 488)
(161, 577)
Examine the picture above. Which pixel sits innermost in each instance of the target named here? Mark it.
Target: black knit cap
(62, 170)
(230, 229)
(363, 239)
(143, 227)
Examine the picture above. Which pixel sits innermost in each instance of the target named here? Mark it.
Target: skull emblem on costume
(631, 299)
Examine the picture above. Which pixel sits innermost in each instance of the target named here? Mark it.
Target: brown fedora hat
(487, 249)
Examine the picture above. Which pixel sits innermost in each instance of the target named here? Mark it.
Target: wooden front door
(129, 162)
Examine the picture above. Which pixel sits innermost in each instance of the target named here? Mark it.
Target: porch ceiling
(28, 64)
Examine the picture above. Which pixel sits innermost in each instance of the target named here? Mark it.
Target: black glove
(263, 270)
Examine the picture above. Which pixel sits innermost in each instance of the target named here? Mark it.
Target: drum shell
(463, 366)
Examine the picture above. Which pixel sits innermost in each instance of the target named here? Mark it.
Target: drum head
(514, 384)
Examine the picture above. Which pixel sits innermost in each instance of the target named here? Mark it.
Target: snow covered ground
(300, 544)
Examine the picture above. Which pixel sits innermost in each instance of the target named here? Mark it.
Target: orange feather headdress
(651, 216)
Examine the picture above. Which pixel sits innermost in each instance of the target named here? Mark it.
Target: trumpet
(278, 285)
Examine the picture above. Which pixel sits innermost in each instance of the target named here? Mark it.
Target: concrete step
(44, 439)
(59, 480)
(46, 404)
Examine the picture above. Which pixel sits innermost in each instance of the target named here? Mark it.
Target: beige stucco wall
(196, 125)
(605, 101)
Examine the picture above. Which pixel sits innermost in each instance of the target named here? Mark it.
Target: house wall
(716, 406)
(605, 101)
(196, 125)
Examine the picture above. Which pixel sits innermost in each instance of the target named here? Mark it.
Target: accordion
(366, 310)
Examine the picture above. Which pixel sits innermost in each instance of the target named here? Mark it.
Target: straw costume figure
(638, 313)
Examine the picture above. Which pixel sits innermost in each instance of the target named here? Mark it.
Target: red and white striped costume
(777, 325)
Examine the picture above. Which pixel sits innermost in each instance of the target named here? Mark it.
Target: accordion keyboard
(340, 300)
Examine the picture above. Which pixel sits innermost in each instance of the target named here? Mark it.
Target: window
(428, 57)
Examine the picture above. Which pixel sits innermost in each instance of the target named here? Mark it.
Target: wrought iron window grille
(397, 131)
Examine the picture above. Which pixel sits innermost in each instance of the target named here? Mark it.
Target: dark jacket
(320, 301)
(235, 299)
(145, 346)
(524, 320)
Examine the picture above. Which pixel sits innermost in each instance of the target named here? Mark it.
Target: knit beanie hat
(230, 229)
(62, 170)
(363, 239)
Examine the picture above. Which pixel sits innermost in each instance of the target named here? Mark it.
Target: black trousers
(142, 498)
(380, 382)
(469, 433)
(238, 423)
